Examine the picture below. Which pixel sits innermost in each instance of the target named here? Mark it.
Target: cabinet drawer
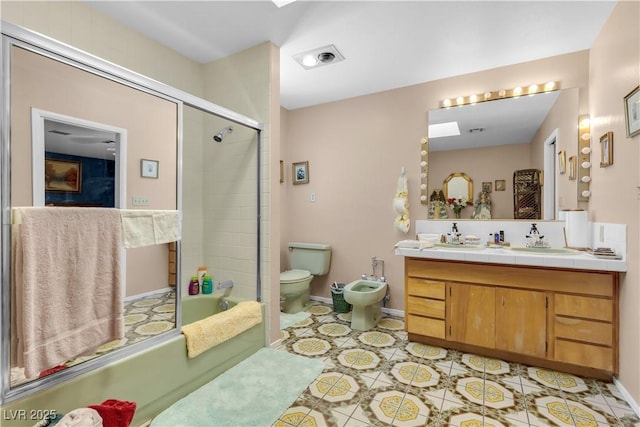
(425, 288)
(425, 326)
(584, 330)
(585, 307)
(584, 354)
(425, 307)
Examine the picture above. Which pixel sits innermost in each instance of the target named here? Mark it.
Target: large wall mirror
(77, 137)
(498, 137)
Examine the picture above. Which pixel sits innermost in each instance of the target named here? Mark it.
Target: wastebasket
(337, 293)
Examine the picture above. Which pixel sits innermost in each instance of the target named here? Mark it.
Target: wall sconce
(500, 94)
(424, 170)
(584, 158)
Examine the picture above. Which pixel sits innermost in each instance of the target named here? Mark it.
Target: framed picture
(606, 150)
(62, 175)
(562, 162)
(281, 170)
(301, 172)
(573, 167)
(486, 187)
(632, 112)
(500, 185)
(149, 168)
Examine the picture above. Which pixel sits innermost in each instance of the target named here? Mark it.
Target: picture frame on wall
(632, 112)
(62, 175)
(562, 162)
(281, 170)
(300, 172)
(573, 167)
(486, 187)
(606, 149)
(500, 185)
(149, 168)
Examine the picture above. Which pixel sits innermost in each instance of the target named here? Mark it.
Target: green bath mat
(255, 392)
(287, 319)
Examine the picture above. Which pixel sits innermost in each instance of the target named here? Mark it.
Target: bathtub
(154, 378)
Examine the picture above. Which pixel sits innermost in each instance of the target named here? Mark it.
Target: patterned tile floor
(378, 378)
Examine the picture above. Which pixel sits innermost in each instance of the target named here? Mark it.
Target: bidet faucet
(375, 261)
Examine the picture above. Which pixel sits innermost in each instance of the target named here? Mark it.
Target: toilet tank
(313, 257)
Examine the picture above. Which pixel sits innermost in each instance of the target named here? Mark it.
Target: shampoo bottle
(194, 286)
(207, 285)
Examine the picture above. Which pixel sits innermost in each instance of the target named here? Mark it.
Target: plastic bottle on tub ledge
(207, 284)
(194, 286)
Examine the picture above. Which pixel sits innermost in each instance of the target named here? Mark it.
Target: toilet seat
(292, 276)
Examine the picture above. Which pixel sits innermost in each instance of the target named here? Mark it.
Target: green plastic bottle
(207, 284)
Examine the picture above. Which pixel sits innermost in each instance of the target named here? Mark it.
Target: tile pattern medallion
(378, 378)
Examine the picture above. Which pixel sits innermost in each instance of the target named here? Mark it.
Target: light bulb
(423, 163)
(423, 186)
(586, 150)
(517, 91)
(423, 153)
(423, 175)
(424, 140)
(473, 99)
(585, 179)
(309, 60)
(586, 193)
(585, 165)
(533, 89)
(585, 136)
(502, 92)
(459, 100)
(423, 198)
(550, 86)
(446, 103)
(487, 95)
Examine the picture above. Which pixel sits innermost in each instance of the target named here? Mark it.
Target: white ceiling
(387, 44)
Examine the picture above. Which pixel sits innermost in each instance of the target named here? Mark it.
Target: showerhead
(218, 136)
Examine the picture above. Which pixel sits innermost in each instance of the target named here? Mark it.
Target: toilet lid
(293, 276)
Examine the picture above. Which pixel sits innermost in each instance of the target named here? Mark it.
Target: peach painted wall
(482, 165)
(356, 149)
(614, 70)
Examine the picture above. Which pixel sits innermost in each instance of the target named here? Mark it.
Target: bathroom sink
(547, 251)
(458, 246)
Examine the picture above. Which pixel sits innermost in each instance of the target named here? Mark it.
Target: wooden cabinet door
(470, 314)
(521, 321)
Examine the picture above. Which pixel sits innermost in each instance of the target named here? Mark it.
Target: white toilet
(307, 260)
(365, 297)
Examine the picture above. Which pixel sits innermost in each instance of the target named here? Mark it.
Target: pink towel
(70, 293)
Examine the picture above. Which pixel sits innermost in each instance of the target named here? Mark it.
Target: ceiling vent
(318, 57)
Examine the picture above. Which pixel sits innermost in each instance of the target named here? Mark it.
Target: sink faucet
(534, 234)
(454, 233)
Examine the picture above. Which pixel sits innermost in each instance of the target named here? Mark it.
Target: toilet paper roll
(400, 205)
(576, 229)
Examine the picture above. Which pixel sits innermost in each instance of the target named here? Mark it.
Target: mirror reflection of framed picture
(301, 172)
(573, 167)
(486, 187)
(562, 162)
(606, 150)
(500, 185)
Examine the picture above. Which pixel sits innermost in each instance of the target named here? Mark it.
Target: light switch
(313, 197)
(140, 201)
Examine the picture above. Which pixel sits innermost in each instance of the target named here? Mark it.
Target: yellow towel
(216, 329)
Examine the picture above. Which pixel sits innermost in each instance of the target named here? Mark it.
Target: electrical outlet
(140, 201)
(313, 197)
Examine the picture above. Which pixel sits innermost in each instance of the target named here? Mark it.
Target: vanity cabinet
(550, 317)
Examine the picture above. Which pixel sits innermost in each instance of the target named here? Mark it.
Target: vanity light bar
(584, 158)
(501, 94)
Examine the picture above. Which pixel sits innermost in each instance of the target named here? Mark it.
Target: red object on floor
(52, 370)
(115, 413)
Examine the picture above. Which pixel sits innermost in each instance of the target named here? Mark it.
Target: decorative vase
(456, 214)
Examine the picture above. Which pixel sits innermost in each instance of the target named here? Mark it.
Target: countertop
(579, 261)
